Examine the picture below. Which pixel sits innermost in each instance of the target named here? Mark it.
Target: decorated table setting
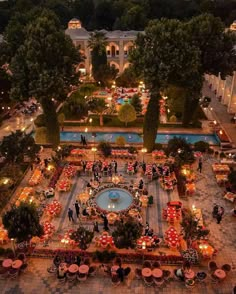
(64, 184)
(53, 209)
(130, 167)
(89, 166)
(190, 188)
(158, 154)
(145, 240)
(69, 171)
(220, 168)
(66, 238)
(172, 213)
(35, 178)
(48, 230)
(106, 240)
(77, 152)
(172, 237)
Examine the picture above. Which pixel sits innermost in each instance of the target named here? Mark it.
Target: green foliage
(222, 155)
(87, 89)
(127, 78)
(127, 113)
(104, 256)
(132, 150)
(16, 145)
(126, 234)
(201, 146)
(120, 141)
(41, 135)
(83, 237)
(40, 121)
(75, 106)
(61, 118)
(136, 103)
(22, 222)
(105, 148)
(151, 121)
(97, 105)
(191, 228)
(45, 75)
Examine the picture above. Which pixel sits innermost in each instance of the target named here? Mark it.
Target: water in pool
(136, 138)
(106, 202)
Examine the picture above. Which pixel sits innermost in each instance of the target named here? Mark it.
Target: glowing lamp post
(94, 150)
(143, 150)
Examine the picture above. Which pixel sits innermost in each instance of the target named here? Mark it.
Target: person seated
(84, 212)
(150, 232)
(57, 261)
(61, 273)
(120, 273)
(179, 273)
(145, 191)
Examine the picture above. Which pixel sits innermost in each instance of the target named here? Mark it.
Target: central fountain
(114, 199)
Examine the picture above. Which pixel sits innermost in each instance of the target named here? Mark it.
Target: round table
(189, 274)
(7, 262)
(157, 273)
(73, 268)
(17, 264)
(146, 272)
(83, 269)
(220, 274)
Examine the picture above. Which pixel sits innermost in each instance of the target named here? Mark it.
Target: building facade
(119, 44)
(225, 89)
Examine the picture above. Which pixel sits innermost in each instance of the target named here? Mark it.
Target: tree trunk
(151, 120)
(101, 120)
(190, 107)
(51, 122)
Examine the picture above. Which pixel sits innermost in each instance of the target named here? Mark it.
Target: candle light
(144, 245)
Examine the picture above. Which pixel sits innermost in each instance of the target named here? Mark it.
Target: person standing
(77, 208)
(220, 214)
(105, 222)
(70, 215)
(95, 227)
(115, 166)
(218, 218)
(200, 164)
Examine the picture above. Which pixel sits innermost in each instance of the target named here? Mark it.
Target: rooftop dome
(74, 23)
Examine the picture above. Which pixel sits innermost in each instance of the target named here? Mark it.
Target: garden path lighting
(143, 150)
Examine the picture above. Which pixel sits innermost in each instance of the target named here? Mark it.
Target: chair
(92, 271)
(138, 273)
(71, 277)
(61, 280)
(87, 261)
(13, 273)
(214, 279)
(212, 266)
(147, 264)
(201, 277)
(158, 282)
(22, 257)
(148, 281)
(115, 280)
(167, 275)
(127, 270)
(226, 267)
(156, 264)
(24, 267)
(81, 277)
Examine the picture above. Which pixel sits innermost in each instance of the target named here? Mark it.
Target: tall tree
(160, 56)
(44, 67)
(99, 106)
(101, 70)
(97, 43)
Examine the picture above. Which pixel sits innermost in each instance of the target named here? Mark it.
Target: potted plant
(150, 200)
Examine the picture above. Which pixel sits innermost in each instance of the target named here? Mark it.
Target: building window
(125, 52)
(108, 52)
(117, 52)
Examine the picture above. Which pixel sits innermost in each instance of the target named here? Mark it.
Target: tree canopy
(22, 222)
(44, 67)
(127, 113)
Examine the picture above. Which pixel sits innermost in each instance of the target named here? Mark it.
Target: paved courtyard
(222, 237)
